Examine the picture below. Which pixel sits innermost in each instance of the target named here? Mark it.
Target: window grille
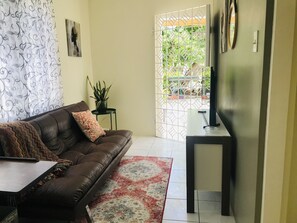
(181, 74)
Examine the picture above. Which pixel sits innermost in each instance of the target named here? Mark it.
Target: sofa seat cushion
(125, 133)
(82, 151)
(64, 191)
(89, 161)
(119, 137)
(90, 170)
(110, 148)
(96, 156)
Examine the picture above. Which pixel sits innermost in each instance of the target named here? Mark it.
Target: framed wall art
(232, 25)
(73, 38)
(223, 27)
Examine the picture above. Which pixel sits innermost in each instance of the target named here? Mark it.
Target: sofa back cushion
(58, 129)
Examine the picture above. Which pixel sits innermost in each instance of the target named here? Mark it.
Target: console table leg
(190, 176)
(226, 170)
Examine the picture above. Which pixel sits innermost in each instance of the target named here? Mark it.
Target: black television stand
(208, 157)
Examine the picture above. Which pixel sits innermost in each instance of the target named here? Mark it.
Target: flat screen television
(212, 99)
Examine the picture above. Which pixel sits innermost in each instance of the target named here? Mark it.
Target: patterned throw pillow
(88, 124)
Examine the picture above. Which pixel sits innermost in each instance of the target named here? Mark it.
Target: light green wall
(74, 69)
(292, 203)
(290, 195)
(292, 178)
(242, 98)
(123, 55)
(254, 99)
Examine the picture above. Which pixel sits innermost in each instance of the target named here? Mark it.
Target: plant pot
(101, 106)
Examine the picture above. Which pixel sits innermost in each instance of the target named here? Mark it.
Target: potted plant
(100, 94)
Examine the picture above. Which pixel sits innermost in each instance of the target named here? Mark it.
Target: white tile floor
(208, 210)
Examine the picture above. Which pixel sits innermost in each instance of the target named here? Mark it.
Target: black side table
(110, 112)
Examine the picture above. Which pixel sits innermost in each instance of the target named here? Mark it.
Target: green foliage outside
(181, 48)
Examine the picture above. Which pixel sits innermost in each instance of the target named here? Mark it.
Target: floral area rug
(135, 193)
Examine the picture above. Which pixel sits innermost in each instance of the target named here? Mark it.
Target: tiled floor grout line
(174, 150)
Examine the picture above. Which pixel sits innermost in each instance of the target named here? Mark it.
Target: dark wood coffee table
(19, 175)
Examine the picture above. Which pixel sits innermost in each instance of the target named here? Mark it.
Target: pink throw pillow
(88, 124)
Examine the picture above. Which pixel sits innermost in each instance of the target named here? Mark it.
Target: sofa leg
(89, 215)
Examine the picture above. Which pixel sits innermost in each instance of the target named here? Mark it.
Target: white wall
(123, 55)
(74, 69)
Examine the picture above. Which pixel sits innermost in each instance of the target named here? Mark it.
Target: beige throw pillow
(88, 124)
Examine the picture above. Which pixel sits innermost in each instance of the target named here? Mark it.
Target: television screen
(212, 100)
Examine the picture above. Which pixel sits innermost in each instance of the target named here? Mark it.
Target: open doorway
(181, 75)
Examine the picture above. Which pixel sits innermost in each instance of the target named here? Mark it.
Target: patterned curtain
(30, 73)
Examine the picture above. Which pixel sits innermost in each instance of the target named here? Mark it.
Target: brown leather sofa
(66, 198)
